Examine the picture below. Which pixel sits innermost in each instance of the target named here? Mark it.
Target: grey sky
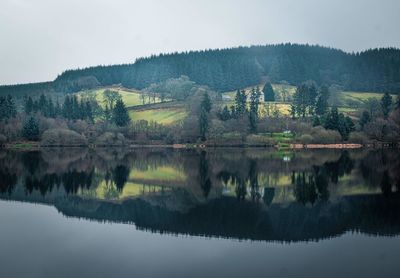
(41, 38)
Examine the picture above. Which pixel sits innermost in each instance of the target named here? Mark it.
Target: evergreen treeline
(229, 69)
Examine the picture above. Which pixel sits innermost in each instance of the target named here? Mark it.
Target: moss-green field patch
(166, 116)
(129, 96)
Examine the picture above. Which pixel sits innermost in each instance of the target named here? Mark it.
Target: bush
(324, 136)
(111, 139)
(62, 137)
(358, 137)
(305, 139)
(255, 139)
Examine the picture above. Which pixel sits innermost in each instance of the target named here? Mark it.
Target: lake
(158, 212)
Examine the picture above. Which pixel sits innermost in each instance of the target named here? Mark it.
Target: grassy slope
(167, 116)
(349, 102)
(164, 113)
(130, 97)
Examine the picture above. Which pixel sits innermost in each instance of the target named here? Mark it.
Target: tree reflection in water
(255, 193)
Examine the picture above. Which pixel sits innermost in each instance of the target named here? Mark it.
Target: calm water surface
(192, 213)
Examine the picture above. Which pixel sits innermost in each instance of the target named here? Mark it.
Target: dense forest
(233, 68)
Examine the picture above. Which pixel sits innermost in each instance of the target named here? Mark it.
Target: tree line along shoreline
(83, 120)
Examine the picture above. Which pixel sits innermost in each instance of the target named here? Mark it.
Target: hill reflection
(235, 193)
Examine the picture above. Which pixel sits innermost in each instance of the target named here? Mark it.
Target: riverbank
(30, 145)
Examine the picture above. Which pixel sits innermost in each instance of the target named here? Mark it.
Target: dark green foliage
(28, 107)
(206, 103)
(7, 108)
(110, 97)
(254, 104)
(316, 121)
(73, 109)
(120, 114)
(228, 69)
(203, 123)
(268, 91)
(205, 108)
(305, 98)
(321, 105)
(30, 130)
(337, 121)
(365, 118)
(332, 119)
(293, 111)
(240, 103)
(120, 176)
(386, 104)
(225, 114)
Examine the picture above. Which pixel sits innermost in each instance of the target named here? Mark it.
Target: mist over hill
(233, 68)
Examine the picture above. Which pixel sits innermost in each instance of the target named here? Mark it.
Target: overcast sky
(41, 38)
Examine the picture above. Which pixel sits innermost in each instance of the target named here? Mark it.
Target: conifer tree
(386, 104)
(205, 108)
(321, 105)
(268, 91)
(365, 118)
(28, 106)
(120, 114)
(254, 104)
(30, 130)
(225, 114)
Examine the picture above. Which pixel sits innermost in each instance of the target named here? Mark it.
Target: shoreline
(290, 146)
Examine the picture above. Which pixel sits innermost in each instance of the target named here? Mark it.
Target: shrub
(111, 139)
(62, 137)
(255, 139)
(358, 137)
(323, 136)
(306, 139)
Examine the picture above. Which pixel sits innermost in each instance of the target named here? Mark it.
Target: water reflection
(245, 194)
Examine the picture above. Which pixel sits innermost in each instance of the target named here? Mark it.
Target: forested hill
(229, 69)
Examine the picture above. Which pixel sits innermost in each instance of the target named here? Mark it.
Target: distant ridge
(239, 67)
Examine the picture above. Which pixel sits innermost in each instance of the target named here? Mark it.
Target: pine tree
(89, 112)
(57, 109)
(316, 121)
(321, 105)
(28, 107)
(10, 106)
(7, 108)
(268, 91)
(205, 108)
(203, 123)
(386, 104)
(107, 113)
(42, 104)
(332, 120)
(293, 111)
(240, 103)
(30, 130)
(206, 102)
(120, 114)
(365, 118)
(67, 109)
(254, 103)
(225, 114)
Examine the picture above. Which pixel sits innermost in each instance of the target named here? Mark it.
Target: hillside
(229, 69)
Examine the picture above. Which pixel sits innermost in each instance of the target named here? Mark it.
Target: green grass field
(358, 99)
(166, 116)
(130, 97)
